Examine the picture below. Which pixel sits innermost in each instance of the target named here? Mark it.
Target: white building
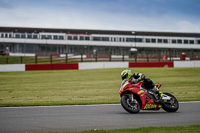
(45, 41)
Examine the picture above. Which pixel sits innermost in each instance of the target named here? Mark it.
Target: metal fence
(95, 57)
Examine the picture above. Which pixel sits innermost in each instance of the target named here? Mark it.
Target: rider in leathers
(126, 75)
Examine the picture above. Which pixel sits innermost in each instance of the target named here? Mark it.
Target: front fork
(131, 97)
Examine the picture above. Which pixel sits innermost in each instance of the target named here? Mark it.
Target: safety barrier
(102, 65)
(96, 65)
(186, 63)
(151, 64)
(13, 67)
(63, 66)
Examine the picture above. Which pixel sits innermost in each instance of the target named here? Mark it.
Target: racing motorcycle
(135, 97)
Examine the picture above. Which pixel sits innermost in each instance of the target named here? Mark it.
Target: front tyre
(172, 105)
(130, 106)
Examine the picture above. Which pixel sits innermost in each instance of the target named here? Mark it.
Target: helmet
(126, 74)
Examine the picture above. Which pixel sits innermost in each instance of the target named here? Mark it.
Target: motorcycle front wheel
(171, 106)
(130, 106)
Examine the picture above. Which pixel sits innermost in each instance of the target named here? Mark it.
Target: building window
(198, 41)
(17, 35)
(35, 36)
(148, 40)
(2, 35)
(75, 38)
(61, 37)
(105, 38)
(6, 35)
(138, 39)
(165, 40)
(43, 36)
(81, 38)
(10, 35)
(87, 38)
(55, 37)
(69, 38)
(49, 36)
(96, 38)
(159, 40)
(185, 41)
(130, 39)
(23, 36)
(179, 41)
(153, 40)
(29, 36)
(191, 41)
(173, 41)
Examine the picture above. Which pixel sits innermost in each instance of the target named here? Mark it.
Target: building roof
(84, 31)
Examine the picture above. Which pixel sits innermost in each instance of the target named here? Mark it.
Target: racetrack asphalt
(89, 117)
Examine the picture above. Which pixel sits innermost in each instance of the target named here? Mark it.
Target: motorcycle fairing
(147, 103)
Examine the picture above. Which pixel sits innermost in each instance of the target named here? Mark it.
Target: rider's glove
(136, 75)
(142, 77)
(139, 76)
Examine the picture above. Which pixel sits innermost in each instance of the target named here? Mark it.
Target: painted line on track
(92, 105)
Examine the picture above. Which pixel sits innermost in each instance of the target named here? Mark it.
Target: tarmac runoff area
(90, 117)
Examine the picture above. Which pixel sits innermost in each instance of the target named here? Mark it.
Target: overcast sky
(139, 15)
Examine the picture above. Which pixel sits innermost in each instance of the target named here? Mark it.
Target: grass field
(89, 86)
(178, 129)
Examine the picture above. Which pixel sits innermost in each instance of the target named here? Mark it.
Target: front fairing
(130, 87)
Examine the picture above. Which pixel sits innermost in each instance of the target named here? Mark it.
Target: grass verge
(89, 86)
(178, 129)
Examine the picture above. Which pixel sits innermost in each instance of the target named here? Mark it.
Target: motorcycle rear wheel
(171, 107)
(128, 105)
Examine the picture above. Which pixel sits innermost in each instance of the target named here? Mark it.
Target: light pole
(46, 44)
(133, 32)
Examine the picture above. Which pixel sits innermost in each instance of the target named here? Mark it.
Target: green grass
(178, 129)
(89, 86)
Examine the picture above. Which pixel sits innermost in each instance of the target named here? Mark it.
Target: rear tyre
(131, 107)
(172, 106)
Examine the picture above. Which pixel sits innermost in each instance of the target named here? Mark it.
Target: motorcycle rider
(126, 75)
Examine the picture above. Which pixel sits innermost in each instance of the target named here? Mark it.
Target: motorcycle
(135, 97)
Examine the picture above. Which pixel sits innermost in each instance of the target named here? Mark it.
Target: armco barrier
(12, 67)
(64, 66)
(151, 64)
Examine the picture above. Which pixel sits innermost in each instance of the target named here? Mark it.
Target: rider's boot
(157, 95)
(158, 92)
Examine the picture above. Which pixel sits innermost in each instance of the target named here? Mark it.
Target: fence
(72, 58)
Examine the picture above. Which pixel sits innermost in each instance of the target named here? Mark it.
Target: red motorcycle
(135, 97)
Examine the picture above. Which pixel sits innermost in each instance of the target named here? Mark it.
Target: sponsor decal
(140, 92)
(150, 106)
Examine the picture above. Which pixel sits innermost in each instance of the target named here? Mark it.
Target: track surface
(89, 117)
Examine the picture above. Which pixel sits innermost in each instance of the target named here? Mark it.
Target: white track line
(92, 105)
